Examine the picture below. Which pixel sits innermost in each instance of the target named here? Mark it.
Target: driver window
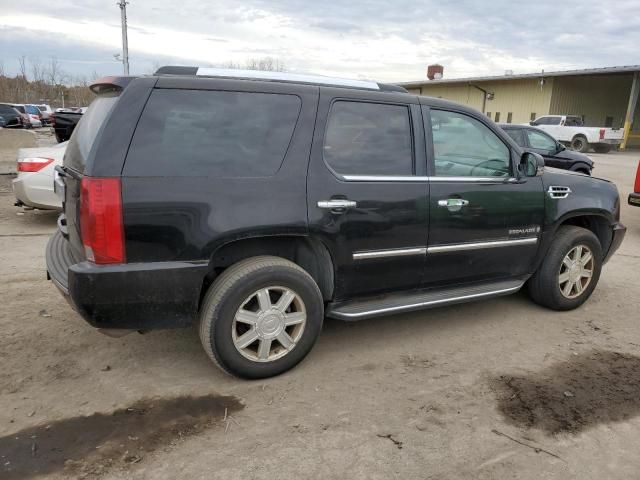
(465, 147)
(541, 141)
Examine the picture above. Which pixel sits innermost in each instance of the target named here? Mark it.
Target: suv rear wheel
(261, 317)
(570, 271)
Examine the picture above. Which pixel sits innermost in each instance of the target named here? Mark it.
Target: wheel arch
(307, 252)
(595, 221)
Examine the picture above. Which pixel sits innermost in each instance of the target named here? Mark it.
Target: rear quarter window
(189, 133)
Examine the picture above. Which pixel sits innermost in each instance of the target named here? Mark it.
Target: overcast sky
(382, 40)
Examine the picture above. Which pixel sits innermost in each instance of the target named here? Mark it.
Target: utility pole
(125, 43)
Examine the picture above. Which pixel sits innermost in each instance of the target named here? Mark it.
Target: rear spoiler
(110, 84)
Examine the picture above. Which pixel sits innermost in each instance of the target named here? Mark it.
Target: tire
(580, 144)
(237, 290)
(546, 287)
(59, 137)
(602, 148)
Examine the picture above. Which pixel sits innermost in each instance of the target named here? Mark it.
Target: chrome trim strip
(384, 178)
(428, 303)
(284, 76)
(415, 178)
(480, 245)
(474, 179)
(396, 252)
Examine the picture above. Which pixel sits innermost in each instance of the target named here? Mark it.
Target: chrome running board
(420, 299)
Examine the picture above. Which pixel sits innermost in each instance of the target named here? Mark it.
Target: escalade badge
(524, 230)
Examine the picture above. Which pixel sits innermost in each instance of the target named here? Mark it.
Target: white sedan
(33, 187)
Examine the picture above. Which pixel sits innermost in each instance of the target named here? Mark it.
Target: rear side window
(517, 136)
(188, 133)
(369, 139)
(87, 130)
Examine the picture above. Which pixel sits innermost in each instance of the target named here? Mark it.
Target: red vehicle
(634, 198)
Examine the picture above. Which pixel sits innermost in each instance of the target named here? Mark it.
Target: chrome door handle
(337, 204)
(453, 204)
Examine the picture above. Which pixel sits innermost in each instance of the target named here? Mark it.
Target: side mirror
(531, 164)
(533, 124)
(560, 147)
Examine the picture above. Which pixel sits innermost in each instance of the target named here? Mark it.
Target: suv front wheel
(261, 317)
(570, 271)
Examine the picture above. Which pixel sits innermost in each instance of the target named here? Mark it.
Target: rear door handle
(337, 205)
(453, 204)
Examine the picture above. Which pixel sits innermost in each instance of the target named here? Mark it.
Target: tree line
(40, 82)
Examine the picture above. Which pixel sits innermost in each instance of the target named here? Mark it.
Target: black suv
(253, 206)
(555, 154)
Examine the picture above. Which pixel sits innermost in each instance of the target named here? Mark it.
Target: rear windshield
(188, 133)
(87, 130)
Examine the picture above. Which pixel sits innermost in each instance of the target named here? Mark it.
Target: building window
(533, 116)
(509, 117)
(608, 122)
(489, 114)
(497, 116)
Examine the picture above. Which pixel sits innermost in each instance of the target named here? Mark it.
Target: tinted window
(87, 130)
(553, 120)
(20, 108)
(7, 110)
(573, 122)
(540, 141)
(517, 135)
(369, 139)
(463, 147)
(191, 133)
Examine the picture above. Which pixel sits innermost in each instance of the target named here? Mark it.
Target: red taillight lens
(602, 133)
(101, 224)
(33, 164)
(636, 187)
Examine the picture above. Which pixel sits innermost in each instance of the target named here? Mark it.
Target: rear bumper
(34, 193)
(634, 199)
(619, 231)
(129, 296)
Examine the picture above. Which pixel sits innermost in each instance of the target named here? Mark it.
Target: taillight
(52, 119)
(602, 133)
(101, 224)
(636, 187)
(33, 164)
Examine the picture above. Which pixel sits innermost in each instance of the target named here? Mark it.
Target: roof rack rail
(277, 77)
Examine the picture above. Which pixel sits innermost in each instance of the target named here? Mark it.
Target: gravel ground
(495, 389)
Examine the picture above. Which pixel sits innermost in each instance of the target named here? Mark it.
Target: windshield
(87, 130)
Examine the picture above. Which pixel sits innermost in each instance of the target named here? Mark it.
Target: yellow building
(604, 97)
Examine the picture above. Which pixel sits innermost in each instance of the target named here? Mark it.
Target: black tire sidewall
(583, 142)
(550, 268)
(224, 313)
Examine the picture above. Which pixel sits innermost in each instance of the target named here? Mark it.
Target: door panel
(484, 223)
(378, 239)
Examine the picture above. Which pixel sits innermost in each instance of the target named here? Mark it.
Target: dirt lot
(495, 389)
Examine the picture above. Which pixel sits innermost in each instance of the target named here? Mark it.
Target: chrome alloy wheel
(269, 324)
(576, 271)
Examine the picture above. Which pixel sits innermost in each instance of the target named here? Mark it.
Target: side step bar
(420, 299)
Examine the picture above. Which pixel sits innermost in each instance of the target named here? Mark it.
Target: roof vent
(435, 72)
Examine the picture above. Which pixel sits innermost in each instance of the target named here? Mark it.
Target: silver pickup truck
(570, 130)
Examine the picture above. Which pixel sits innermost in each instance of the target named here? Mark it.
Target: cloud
(388, 41)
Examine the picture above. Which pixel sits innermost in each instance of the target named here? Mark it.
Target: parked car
(11, 115)
(555, 154)
(35, 115)
(33, 187)
(634, 197)
(29, 119)
(46, 112)
(570, 130)
(64, 123)
(304, 196)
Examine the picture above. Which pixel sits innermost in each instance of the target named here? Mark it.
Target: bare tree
(22, 66)
(269, 64)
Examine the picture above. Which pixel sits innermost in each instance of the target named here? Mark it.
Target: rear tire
(580, 144)
(568, 275)
(261, 317)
